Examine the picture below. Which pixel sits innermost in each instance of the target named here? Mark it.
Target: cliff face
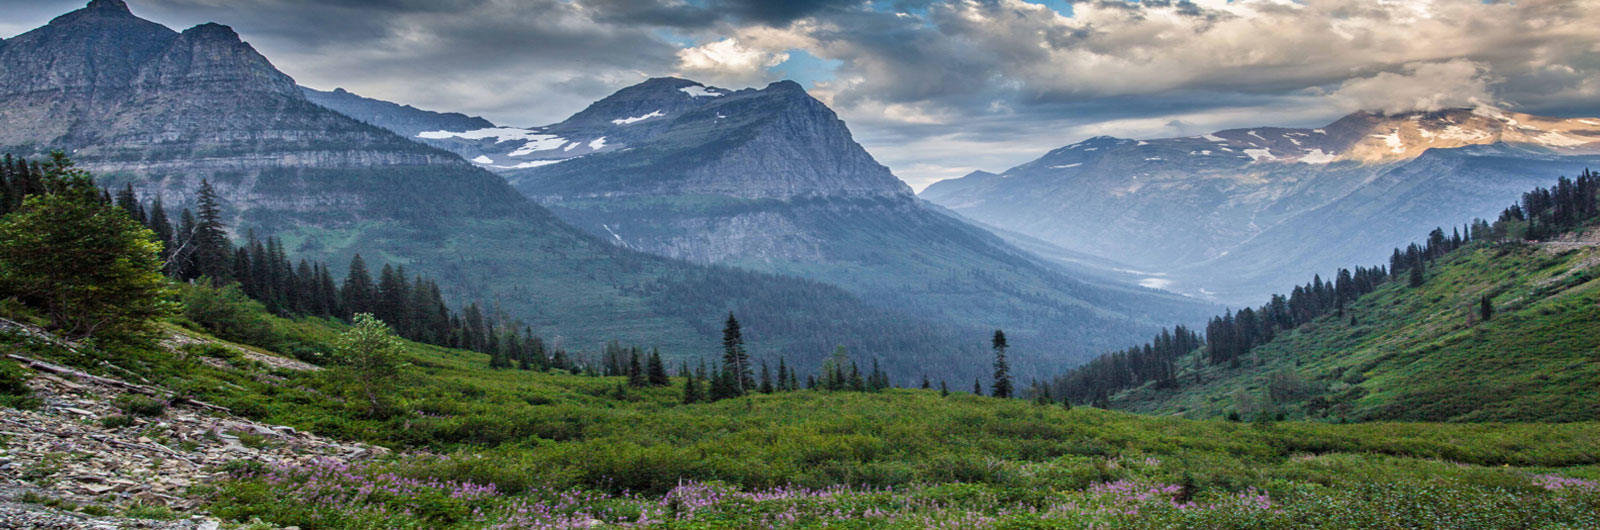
(136, 102)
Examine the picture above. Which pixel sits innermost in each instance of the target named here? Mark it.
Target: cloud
(1421, 87)
(936, 87)
(727, 61)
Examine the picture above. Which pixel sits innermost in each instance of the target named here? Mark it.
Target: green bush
(208, 349)
(140, 405)
(117, 421)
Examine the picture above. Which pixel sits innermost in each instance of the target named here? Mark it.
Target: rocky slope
(135, 102)
(80, 456)
(1239, 213)
(771, 179)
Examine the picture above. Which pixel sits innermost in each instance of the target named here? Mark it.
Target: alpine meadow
(745, 264)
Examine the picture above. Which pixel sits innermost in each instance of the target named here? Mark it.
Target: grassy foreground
(518, 449)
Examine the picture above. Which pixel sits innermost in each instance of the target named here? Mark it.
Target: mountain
(137, 103)
(404, 120)
(770, 179)
(1239, 214)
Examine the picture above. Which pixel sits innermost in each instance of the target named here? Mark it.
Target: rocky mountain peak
(108, 6)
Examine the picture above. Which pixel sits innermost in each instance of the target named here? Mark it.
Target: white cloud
(728, 62)
(1421, 86)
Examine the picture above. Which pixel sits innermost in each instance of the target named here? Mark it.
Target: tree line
(1229, 337)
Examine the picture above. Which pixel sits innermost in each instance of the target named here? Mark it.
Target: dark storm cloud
(712, 12)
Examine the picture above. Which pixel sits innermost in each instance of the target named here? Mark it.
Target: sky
(934, 90)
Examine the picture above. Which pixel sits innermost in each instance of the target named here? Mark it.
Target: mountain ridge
(1184, 208)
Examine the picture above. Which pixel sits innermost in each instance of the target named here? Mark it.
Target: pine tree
(636, 375)
(735, 360)
(90, 269)
(358, 293)
(944, 391)
(1485, 308)
(783, 377)
(1416, 279)
(977, 387)
(657, 371)
(212, 250)
(691, 389)
(766, 379)
(925, 383)
(1002, 370)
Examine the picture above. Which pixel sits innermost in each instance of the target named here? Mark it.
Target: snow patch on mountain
(1316, 156)
(483, 160)
(635, 119)
(698, 91)
(598, 143)
(500, 134)
(534, 163)
(539, 142)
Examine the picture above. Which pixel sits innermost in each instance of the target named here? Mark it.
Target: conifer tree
(944, 391)
(783, 377)
(657, 371)
(212, 250)
(1485, 308)
(735, 360)
(766, 379)
(691, 389)
(1416, 279)
(358, 293)
(636, 375)
(1002, 370)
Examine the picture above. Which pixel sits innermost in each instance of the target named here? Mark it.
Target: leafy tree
(1002, 370)
(370, 353)
(88, 266)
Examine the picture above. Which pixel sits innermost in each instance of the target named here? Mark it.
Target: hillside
(569, 451)
(1423, 354)
(1239, 214)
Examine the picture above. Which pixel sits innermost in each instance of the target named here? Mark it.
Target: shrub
(140, 405)
(116, 422)
(208, 349)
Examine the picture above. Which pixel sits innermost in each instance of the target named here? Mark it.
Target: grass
(486, 448)
(1421, 354)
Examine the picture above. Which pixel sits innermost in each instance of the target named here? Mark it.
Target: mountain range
(770, 179)
(1238, 214)
(689, 203)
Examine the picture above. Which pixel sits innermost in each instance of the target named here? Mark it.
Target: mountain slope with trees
(1488, 322)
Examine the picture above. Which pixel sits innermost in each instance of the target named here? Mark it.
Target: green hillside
(1423, 353)
(550, 450)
